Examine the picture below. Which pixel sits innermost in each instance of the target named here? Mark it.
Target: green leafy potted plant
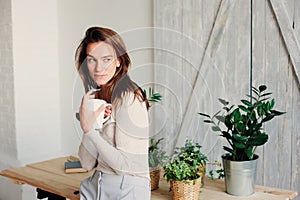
(157, 157)
(183, 171)
(242, 127)
(194, 150)
(151, 96)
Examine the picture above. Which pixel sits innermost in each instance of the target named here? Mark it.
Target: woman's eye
(106, 60)
(91, 60)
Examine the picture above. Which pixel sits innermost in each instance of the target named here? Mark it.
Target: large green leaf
(224, 102)
(266, 107)
(255, 127)
(249, 152)
(236, 115)
(241, 127)
(215, 128)
(267, 118)
(260, 111)
(254, 90)
(258, 139)
(272, 103)
(208, 121)
(229, 150)
(239, 145)
(246, 102)
(220, 118)
(228, 123)
(205, 115)
(226, 135)
(252, 116)
(243, 108)
(262, 88)
(277, 113)
(240, 138)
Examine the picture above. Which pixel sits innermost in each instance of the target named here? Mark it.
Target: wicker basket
(154, 176)
(186, 190)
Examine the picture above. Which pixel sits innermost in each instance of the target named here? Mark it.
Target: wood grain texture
(216, 190)
(295, 101)
(259, 61)
(289, 37)
(49, 175)
(276, 33)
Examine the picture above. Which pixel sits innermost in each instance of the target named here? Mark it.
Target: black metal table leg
(41, 194)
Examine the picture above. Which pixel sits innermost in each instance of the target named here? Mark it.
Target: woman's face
(102, 62)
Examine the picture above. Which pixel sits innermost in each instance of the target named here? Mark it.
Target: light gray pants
(101, 186)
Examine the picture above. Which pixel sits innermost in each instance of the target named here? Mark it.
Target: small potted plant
(194, 150)
(157, 157)
(151, 96)
(183, 171)
(242, 127)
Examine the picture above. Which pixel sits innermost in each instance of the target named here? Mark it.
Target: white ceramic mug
(95, 104)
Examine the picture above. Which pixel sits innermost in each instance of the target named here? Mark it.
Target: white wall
(8, 150)
(36, 72)
(39, 76)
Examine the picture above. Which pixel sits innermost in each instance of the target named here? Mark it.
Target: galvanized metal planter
(240, 176)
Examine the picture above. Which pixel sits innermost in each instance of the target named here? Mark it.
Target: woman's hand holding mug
(93, 112)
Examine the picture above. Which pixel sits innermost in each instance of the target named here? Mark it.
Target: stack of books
(73, 165)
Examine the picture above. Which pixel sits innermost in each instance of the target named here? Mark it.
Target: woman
(119, 150)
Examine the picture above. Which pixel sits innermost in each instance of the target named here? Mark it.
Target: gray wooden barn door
(202, 52)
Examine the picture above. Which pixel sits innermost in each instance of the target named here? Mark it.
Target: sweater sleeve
(88, 156)
(130, 155)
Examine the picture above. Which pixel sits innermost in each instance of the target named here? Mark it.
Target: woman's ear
(118, 62)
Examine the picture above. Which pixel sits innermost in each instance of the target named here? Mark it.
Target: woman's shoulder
(132, 96)
(129, 98)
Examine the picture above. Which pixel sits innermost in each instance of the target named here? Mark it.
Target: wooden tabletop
(50, 176)
(216, 190)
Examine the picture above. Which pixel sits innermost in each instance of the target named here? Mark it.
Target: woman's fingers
(100, 109)
(90, 94)
(107, 111)
(87, 116)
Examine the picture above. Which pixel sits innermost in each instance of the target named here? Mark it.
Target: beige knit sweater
(121, 146)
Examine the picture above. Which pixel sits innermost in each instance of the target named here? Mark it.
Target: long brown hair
(120, 83)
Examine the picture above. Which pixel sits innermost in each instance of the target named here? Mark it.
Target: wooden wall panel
(277, 72)
(295, 131)
(295, 158)
(259, 37)
(202, 52)
(271, 72)
(168, 51)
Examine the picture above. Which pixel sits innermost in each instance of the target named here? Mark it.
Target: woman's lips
(99, 76)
